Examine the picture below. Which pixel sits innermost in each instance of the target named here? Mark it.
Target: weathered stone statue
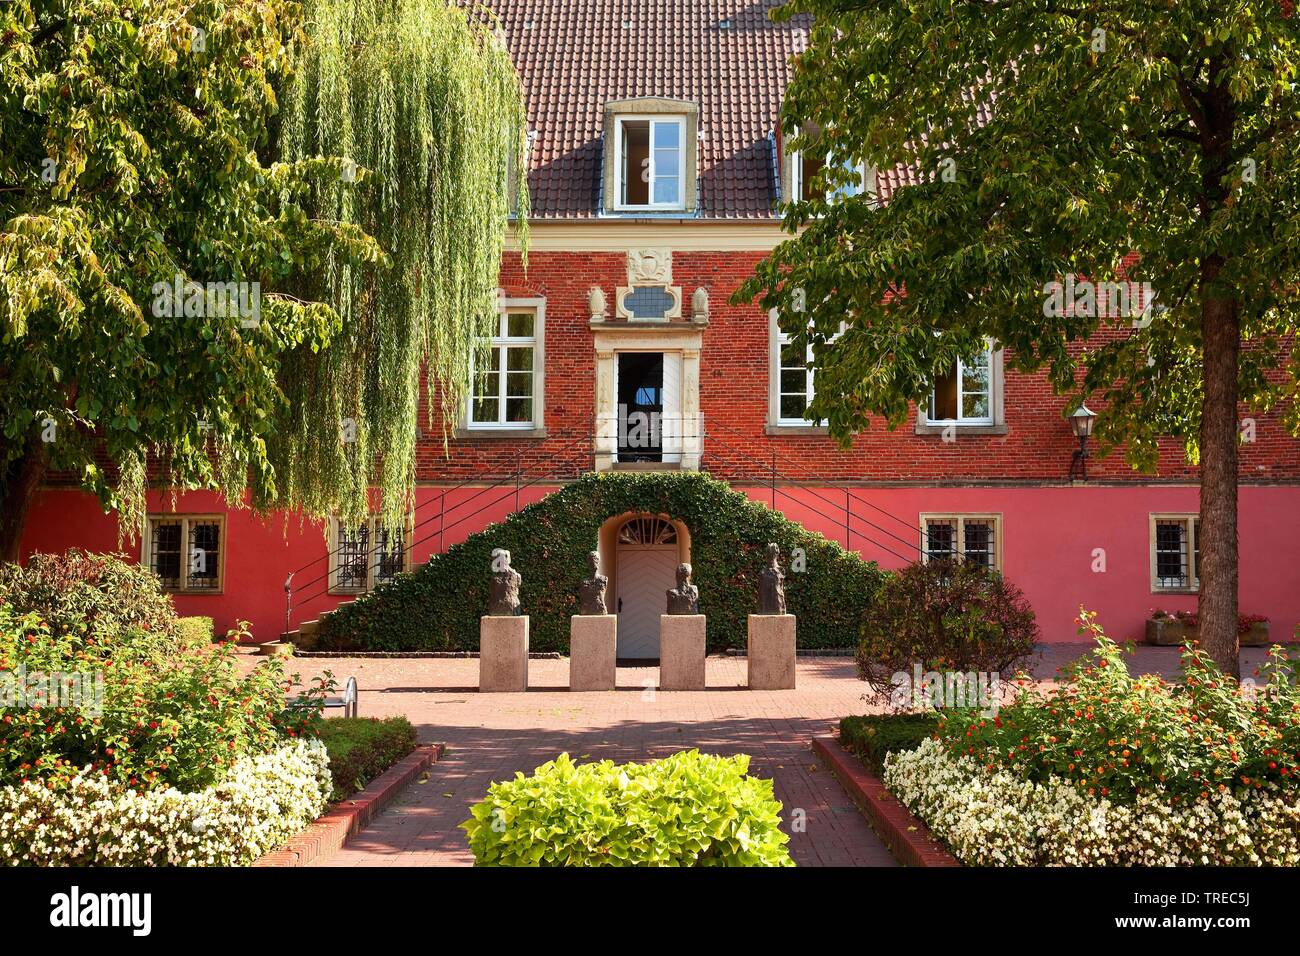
(700, 304)
(596, 303)
(771, 584)
(685, 598)
(503, 589)
(591, 594)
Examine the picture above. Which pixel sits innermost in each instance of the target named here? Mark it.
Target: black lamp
(1081, 422)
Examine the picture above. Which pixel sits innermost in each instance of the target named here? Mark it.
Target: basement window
(186, 552)
(972, 538)
(1175, 553)
(365, 555)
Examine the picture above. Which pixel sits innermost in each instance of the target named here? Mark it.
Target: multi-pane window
(794, 382)
(364, 555)
(651, 162)
(806, 173)
(1175, 552)
(967, 538)
(964, 394)
(185, 551)
(503, 374)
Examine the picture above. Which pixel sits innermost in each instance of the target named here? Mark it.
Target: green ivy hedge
(437, 606)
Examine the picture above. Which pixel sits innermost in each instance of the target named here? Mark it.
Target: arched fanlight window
(646, 531)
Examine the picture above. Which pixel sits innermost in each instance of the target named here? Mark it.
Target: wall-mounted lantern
(1082, 423)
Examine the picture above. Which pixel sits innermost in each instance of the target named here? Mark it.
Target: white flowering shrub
(256, 807)
(998, 818)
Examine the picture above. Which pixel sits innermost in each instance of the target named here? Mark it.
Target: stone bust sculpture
(685, 598)
(771, 584)
(503, 588)
(591, 593)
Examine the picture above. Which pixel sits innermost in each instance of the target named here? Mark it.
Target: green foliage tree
(1130, 140)
(135, 139)
(429, 102)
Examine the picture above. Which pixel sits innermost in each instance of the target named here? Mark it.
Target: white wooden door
(672, 415)
(645, 573)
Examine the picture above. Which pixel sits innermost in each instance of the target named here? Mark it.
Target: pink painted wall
(1049, 535)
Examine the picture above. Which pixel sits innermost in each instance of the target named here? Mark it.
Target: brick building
(657, 172)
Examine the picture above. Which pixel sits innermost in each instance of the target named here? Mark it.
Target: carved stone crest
(650, 267)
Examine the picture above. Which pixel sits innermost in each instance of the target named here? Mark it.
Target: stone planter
(1167, 632)
(1257, 636)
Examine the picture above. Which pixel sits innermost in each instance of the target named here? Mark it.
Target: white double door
(645, 573)
(663, 388)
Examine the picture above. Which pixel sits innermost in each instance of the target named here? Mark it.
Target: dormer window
(650, 155)
(806, 170)
(651, 162)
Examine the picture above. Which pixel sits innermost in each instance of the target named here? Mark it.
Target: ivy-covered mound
(437, 607)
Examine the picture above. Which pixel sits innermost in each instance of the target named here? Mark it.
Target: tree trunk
(1220, 350)
(18, 484)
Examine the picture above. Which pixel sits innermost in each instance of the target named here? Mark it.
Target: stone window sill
(792, 430)
(928, 429)
(469, 434)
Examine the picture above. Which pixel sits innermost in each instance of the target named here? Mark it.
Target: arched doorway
(647, 549)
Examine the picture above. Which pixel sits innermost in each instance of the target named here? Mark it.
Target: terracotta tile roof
(725, 55)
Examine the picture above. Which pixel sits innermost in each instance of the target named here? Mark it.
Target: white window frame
(797, 182)
(1190, 524)
(778, 340)
(185, 520)
(501, 341)
(621, 172)
(960, 519)
(961, 421)
(373, 523)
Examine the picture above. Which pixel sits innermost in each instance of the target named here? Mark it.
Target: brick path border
(908, 838)
(329, 833)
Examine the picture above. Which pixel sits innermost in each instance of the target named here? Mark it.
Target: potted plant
(1165, 629)
(1252, 630)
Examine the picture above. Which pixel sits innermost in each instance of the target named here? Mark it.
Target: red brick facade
(734, 382)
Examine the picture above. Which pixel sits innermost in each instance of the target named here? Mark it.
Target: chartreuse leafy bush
(690, 809)
(196, 632)
(361, 748)
(1112, 769)
(437, 607)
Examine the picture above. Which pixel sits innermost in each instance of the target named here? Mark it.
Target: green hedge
(195, 632)
(875, 736)
(437, 607)
(361, 748)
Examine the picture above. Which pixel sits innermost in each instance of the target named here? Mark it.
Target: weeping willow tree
(421, 101)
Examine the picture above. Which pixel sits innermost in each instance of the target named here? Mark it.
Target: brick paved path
(491, 736)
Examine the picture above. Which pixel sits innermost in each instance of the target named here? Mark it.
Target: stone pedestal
(593, 645)
(503, 654)
(681, 652)
(771, 652)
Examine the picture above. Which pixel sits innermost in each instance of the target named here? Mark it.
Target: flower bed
(93, 821)
(1118, 770)
(361, 748)
(998, 818)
